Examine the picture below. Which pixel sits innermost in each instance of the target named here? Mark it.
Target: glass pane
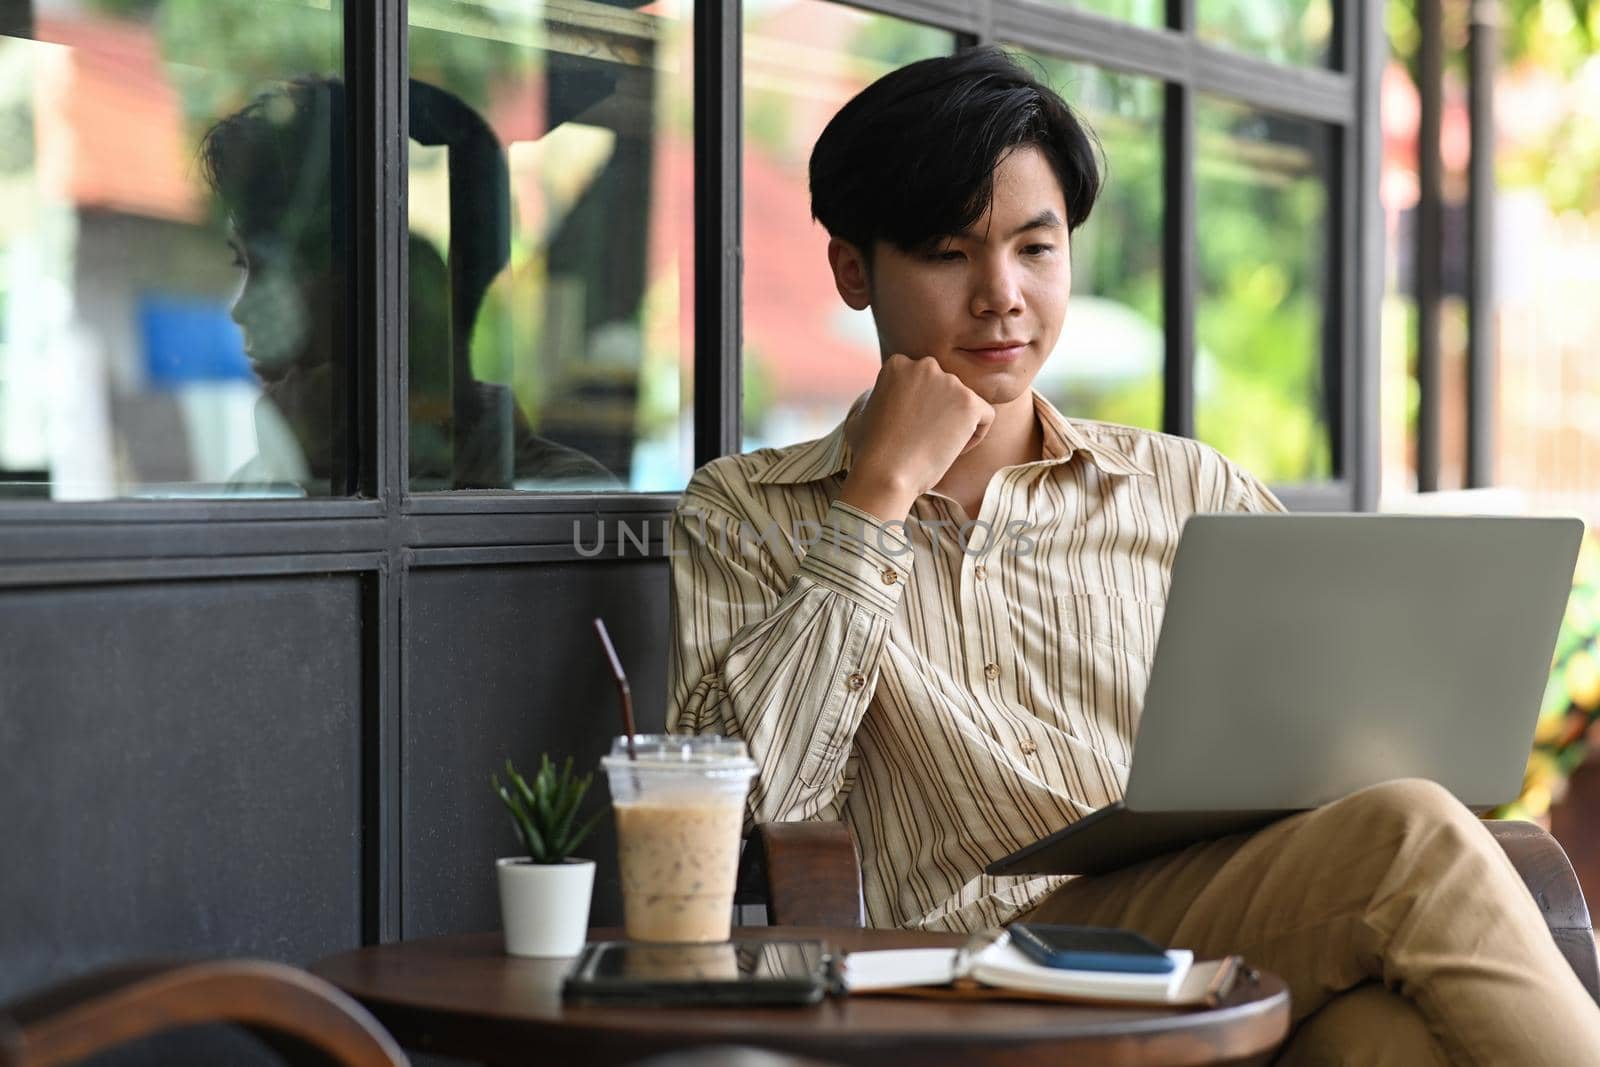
(1139, 12)
(1285, 31)
(1262, 304)
(140, 355)
(1108, 363)
(806, 355)
(552, 227)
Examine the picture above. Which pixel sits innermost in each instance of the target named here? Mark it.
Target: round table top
(462, 996)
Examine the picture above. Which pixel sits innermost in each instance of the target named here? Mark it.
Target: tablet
(729, 972)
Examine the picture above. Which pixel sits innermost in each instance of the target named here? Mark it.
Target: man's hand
(918, 420)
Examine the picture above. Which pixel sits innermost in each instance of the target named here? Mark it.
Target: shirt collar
(830, 455)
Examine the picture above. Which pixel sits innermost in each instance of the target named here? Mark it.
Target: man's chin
(270, 373)
(999, 389)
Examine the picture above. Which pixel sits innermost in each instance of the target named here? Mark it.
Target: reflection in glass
(1285, 31)
(124, 370)
(1138, 12)
(551, 215)
(1108, 363)
(1263, 299)
(806, 355)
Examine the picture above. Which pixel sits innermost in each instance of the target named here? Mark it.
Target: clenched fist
(917, 421)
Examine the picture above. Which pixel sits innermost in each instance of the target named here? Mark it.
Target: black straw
(623, 692)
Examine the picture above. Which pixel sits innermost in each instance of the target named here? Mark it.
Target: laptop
(1303, 657)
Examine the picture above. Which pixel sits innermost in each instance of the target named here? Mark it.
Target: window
(806, 355)
(1284, 31)
(1263, 287)
(550, 246)
(564, 176)
(1219, 287)
(1107, 364)
(1139, 12)
(172, 253)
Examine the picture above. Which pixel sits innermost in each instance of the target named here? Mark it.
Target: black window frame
(1343, 96)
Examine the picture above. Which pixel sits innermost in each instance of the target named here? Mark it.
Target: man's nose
(996, 290)
(238, 308)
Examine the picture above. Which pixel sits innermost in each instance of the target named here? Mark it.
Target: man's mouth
(996, 352)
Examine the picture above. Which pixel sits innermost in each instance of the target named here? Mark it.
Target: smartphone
(1090, 948)
(731, 972)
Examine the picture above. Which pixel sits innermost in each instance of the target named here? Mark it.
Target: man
(936, 622)
(274, 167)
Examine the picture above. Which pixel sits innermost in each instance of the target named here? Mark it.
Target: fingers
(982, 430)
(985, 414)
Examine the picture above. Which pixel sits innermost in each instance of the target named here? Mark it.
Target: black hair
(910, 159)
(279, 166)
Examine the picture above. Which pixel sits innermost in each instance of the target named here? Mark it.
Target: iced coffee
(680, 810)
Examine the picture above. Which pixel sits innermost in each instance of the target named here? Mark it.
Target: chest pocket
(1106, 644)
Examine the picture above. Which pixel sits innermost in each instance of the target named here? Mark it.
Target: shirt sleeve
(790, 667)
(1247, 493)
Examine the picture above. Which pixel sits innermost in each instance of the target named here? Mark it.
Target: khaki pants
(1403, 932)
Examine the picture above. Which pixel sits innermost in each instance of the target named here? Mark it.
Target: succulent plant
(545, 812)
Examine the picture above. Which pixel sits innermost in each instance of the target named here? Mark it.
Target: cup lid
(701, 753)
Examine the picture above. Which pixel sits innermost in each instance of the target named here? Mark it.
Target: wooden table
(461, 996)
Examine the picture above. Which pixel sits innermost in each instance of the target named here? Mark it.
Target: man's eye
(1038, 250)
(947, 256)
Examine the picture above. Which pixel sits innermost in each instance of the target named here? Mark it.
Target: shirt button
(1028, 747)
(980, 572)
(991, 671)
(856, 681)
(890, 576)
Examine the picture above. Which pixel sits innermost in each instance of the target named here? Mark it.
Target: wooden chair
(808, 874)
(302, 1018)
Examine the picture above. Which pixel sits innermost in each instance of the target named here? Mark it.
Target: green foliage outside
(1556, 41)
(1556, 38)
(1263, 253)
(1284, 31)
(1261, 248)
(1569, 715)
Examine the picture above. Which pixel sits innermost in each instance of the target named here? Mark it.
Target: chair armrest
(303, 1018)
(807, 872)
(1544, 867)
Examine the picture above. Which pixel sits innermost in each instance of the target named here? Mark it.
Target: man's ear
(849, 273)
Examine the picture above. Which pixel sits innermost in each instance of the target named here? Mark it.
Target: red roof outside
(109, 124)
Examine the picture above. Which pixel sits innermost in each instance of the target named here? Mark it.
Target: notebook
(1001, 971)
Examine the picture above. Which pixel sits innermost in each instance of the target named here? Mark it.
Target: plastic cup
(680, 815)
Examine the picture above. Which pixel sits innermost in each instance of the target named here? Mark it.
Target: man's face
(986, 304)
(285, 310)
(281, 305)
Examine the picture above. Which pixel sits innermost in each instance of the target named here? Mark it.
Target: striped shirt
(953, 697)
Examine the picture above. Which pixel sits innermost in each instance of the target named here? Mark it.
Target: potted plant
(544, 896)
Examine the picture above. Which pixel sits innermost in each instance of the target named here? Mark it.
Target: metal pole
(718, 30)
(1430, 260)
(1483, 47)
(1179, 279)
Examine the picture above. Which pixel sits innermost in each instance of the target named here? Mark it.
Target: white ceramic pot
(544, 906)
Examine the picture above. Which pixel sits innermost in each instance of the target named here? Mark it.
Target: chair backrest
(806, 873)
(303, 1018)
